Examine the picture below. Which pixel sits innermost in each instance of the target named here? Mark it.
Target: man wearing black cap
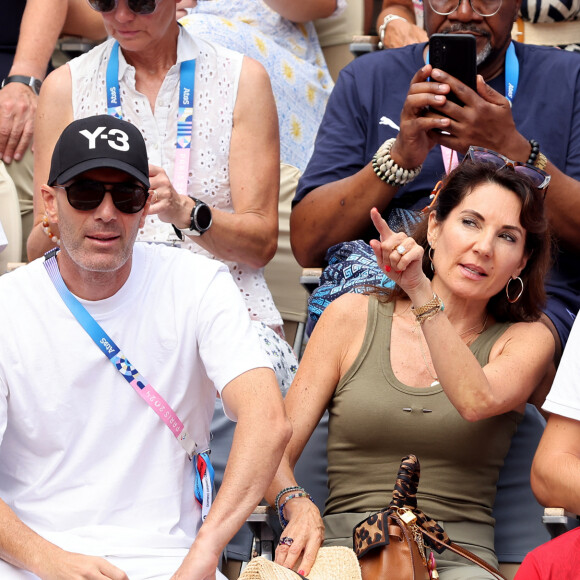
(94, 484)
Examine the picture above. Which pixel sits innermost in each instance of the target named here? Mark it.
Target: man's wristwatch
(199, 222)
(31, 82)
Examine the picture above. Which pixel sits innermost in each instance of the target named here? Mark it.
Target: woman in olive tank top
(441, 366)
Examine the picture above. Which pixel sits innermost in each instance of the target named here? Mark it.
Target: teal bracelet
(286, 490)
(281, 517)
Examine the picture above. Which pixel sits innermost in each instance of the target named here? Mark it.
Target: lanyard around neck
(184, 119)
(202, 467)
(117, 358)
(512, 77)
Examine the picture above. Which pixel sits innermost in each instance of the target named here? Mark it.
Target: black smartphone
(456, 55)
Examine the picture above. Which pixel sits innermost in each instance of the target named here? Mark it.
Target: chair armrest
(362, 44)
(75, 45)
(310, 278)
(266, 529)
(558, 521)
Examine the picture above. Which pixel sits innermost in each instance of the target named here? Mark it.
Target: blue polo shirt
(364, 111)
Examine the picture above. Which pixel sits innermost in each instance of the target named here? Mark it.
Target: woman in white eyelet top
(216, 85)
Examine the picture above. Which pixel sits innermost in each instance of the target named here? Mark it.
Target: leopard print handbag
(391, 543)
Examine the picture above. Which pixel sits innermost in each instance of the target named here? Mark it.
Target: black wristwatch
(200, 220)
(31, 82)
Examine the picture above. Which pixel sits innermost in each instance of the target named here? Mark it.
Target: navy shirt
(364, 111)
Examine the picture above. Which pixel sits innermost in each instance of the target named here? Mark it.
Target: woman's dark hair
(460, 183)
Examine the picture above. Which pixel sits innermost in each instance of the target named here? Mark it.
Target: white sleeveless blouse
(216, 84)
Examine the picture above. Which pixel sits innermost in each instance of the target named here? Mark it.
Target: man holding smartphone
(523, 93)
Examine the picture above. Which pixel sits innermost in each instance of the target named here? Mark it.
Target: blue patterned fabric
(352, 267)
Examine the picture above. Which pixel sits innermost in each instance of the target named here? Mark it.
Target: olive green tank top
(375, 420)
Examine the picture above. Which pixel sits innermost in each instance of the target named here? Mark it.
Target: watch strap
(541, 161)
(31, 82)
(193, 229)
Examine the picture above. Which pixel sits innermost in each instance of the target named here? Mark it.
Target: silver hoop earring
(430, 254)
(507, 292)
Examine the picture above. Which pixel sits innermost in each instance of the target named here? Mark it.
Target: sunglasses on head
(540, 179)
(88, 194)
(136, 6)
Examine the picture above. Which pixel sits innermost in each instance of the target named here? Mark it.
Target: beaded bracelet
(383, 27)
(537, 158)
(283, 520)
(534, 152)
(286, 490)
(388, 171)
(46, 229)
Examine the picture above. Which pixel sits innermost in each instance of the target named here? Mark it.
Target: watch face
(202, 216)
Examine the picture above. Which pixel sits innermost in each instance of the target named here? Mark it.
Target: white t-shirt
(216, 88)
(84, 461)
(564, 396)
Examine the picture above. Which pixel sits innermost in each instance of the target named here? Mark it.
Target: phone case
(455, 54)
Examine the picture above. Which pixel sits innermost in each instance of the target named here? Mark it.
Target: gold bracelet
(430, 314)
(428, 310)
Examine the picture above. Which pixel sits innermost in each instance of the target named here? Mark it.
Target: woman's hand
(170, 206)
(398, 255)
(302, 537)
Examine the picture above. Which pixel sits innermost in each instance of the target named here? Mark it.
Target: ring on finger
(154, 197)
(400, 249)
(286, 541)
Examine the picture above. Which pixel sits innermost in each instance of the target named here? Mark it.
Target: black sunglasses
(136, 6)
(88, 194)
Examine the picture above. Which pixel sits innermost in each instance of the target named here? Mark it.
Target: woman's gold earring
(430, 252)
(507, 292)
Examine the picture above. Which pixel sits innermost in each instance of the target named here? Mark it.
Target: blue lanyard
(184, 119)
(512, 72)
(202, 467)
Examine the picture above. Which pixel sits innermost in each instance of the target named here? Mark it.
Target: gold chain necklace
(424, 357)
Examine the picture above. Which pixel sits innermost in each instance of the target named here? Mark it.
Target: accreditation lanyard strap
(203, 470)
(512, 76)
(184, 119)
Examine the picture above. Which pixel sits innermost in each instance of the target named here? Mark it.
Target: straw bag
(390, 544)
(332, 563)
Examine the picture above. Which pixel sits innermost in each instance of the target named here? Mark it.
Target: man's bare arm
(302, 10)
(261, 434)
(555, 473)
(24, 548)
(400, 32)
(33, 52)
(339, 211)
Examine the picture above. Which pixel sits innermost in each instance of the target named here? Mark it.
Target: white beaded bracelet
(388, 171)
(383, 27)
